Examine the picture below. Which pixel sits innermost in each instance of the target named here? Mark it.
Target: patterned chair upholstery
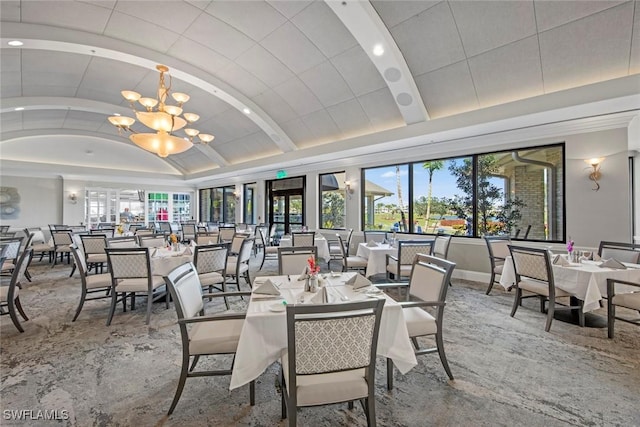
(152, 241)
(202, 337)
(207, 237)
(93, 246)
(428, 285)
(122, 242)
(400, 266)
(534, 275)
(623, 252)
(211, 264)
(131, 274)
(350, 262)
(62, 242)
(441, 246)
(331, 356)
(226, 234)
(189, 232)
(498, 247)
(303, 238)
(238, 266)
(10, 253)
(376, 236)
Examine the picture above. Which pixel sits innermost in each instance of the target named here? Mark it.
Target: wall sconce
(347, 187)
(73, 198)
(595, 174)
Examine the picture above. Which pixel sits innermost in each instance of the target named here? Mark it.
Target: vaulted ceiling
(276, 80)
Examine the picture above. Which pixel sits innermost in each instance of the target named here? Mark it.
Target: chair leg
(389, 374)
(183, 379)
(283, 392)
(493, 277)
(14, 317)
(371, 411)
(252, 393)
(443, 357)
(79, 309)
(550, 312)
(20, 310)
(516, 301)
(611, 317)
(149, 305)
(350, 405)
(114, 301)
(73, 270)
(194, 363)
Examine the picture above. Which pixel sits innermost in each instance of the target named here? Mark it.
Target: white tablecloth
(376, 257)
(586, 281)
(263, 339)
(319, 242)
(164, 260)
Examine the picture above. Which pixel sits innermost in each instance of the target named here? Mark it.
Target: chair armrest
(391, 285)
(392, 257)
(212, 317)
(225, 294)
(612, 282)
(407, 304)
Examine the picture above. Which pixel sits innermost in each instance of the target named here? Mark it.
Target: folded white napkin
(193, 244)
(361, 282)
(267, 288)
(595, 257)
(613, 263)
(372, 244)
(321, 297)
(187, 251)
(560, 260)
(352, 280)
(302, 275)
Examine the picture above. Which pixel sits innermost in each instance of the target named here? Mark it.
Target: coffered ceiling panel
(272, 77)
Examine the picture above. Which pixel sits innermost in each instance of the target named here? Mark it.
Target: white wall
(41, 201)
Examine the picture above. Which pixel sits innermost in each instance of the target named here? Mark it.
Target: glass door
(286, 204)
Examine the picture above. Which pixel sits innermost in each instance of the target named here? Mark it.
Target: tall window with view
(442, 197)
(521, 193)
(385, 198)
(332, 200)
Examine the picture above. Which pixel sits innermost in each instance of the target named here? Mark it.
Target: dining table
(376, 256)
(319, 242)
(165, 259)
(586, 281)
(263, 339)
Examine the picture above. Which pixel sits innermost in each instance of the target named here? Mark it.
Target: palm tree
(431, 167)
(400, 202)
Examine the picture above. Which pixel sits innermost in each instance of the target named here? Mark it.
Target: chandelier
(163, 119)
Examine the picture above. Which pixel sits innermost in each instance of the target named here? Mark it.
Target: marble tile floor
(508, 371)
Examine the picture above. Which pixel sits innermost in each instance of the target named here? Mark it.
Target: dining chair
(400, 266)
(238, 266)
(207, 237)
(106, 231)
(61, 245)
(4, 228)
(350, 262)
(331, 356)
(303, 238)
(122, 242)
(131, 274)
(627, 300)
(427, 287)
(236, 244)
(202, 335)
(268, 251)
(335, 252)
(211, 264)
(498, 247)
(90, 284)
(375, 236)
(623, 252)
(165, 227)
(534, 275)
(9, 295)
(43, 244)
(10, 252)
(93, 246)
(226, 234)
(189, 232)
(152, 241)
(441, 246)
(292, 260)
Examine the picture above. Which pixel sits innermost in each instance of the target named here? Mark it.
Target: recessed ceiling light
(18, 109)
(15, 43)
(378, 50)
(246, 110)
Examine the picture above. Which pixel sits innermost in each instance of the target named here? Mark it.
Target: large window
(249, 215)
(218, 205)
(386, 198)
(519, 193)
(332, 200)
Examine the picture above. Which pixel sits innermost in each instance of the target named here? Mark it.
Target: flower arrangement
(570, 244)
(120, 229)
(173, 238)
(313, 268)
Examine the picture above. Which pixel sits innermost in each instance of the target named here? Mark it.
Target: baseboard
(475, 276)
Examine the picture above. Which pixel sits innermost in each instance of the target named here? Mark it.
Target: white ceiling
(305, 69)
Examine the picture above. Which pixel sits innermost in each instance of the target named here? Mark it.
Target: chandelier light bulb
(130, 95)
(173, 110)
(190, 117)
(191, 132)
(149, 103)
(180, 98)
(206, 138)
